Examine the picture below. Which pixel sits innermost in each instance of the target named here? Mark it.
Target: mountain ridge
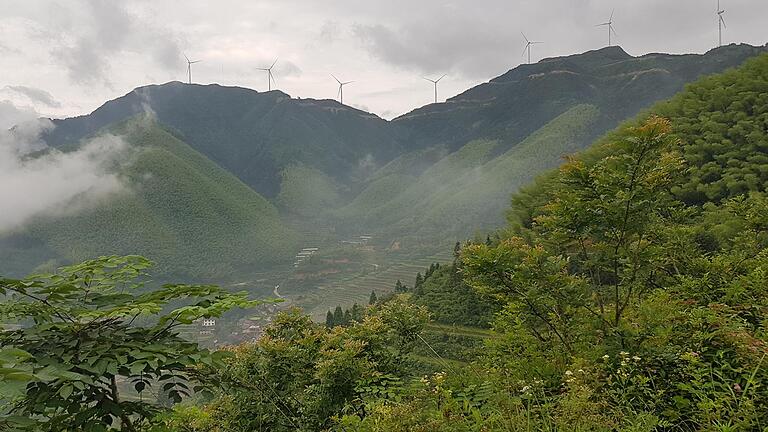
(325, 166)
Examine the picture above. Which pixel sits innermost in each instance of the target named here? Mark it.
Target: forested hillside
(253, 135)
(529, 119)
(194, 219)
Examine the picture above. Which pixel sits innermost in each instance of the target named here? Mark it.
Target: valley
(227, 185)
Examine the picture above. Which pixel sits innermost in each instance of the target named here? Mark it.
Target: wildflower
(581, 370)
(624, 354)
(635, 358)
(569, 373)
(737, 388)
(526, 388)
(606, 357)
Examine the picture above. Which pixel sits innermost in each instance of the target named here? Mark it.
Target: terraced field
(345, 289)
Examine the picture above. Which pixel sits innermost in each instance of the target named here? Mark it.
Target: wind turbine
(270, 77)
(341, 88)
(720, 23)
(528, 46)
(609, 24)
(435, 83)
(189, 67)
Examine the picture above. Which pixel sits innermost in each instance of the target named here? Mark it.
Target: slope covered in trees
(253, 135)
(178, 208)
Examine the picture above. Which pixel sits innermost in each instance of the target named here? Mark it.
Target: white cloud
(36, 180)
(34, 95)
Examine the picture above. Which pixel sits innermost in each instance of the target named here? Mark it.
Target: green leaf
(65, 391)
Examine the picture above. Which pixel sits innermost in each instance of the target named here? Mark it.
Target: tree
(301, 375)
(596, 239)
(338, 316)
(93, 326)
(399, 287)
(357, 312)
(419, 280)
(329, 321)
(373, 300)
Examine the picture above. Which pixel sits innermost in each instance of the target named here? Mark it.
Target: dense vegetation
(450, 300)
(89, 331)
(253, 135)
(629, 298)
(194, 219)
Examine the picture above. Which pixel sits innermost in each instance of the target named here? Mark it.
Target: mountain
(195, 219)
(519, 124)
(519, 102)
(253, 135)
(269, 165)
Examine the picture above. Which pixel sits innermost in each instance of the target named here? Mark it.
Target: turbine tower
(270, 77)
(189, 67)
(341, 88)
(609, 24)
(528, 46)
(720, 24)
(435, 83)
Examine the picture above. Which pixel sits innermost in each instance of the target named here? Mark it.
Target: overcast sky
(67, 57)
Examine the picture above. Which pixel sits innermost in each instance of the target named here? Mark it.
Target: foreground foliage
(301, 376)
(90, 330)
(624, 310)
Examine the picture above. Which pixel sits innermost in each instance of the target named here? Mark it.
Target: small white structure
(209, 322)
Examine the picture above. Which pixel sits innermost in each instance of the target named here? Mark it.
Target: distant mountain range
(230, 175)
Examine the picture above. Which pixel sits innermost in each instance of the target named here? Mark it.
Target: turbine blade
(348, 82)
(185, 56)
(526, 39)
(525, 49)
(428, 79)
(612, 30)
(337, 80)
(438, 80)
(722, 20)
(273, 64)
(612, 12)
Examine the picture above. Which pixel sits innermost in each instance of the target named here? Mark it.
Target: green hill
(721, 121)
(469, 189)
(535, 115)
(253, 135)
(181, 210)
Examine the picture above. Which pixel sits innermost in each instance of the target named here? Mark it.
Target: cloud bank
(36, 180)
